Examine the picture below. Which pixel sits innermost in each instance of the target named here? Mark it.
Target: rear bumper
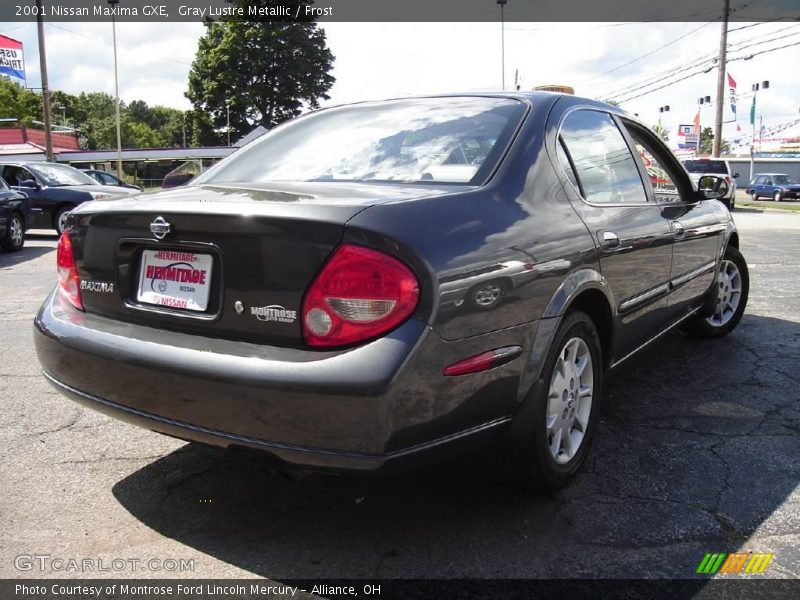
(358, 409)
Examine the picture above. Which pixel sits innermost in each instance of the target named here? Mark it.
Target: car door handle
(610, 240)
(678, 230)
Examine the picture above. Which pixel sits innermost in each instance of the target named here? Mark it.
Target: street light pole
(764, 85)
(48, 134)
(502, 4)
(228, 111)
(700, 101)
(116, 91)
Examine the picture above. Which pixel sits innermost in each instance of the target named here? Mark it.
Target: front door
(698, 227)
(633, 239)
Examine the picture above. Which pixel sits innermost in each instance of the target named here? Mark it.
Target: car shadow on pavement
(12, 259)
(698, 450)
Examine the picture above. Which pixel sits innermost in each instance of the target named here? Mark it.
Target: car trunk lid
(228, 261)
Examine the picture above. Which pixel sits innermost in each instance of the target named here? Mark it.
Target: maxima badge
(160, 228)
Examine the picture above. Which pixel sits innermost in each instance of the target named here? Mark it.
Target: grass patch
(774, 205)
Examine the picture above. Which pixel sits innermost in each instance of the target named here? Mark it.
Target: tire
(777, 196)
(730, 305)
(540, 459)
(754, 195)
(15, 234)
(59, 220)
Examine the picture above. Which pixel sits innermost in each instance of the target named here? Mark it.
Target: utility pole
(722, 68)
(48, 134)
(502, 4)
(116, 91)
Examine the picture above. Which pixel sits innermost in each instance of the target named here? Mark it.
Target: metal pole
(723, 49)
(48, 134)
(753, 139)
(503, 46)
(228, 110)
(116, 92)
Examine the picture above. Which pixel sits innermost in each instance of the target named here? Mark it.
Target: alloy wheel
(729, 294)
(16, 232)
(62, 221)
(569, 402)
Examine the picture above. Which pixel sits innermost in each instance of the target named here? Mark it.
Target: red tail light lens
(69, 283)
(359, 294)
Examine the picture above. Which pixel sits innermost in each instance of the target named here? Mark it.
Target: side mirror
(711, 187)
(736, 176)
(29, 183)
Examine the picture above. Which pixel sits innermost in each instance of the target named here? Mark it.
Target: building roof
(26, 140)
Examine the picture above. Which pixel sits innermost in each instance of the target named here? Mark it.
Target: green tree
(265, 72)
(611, 102)
(707, 142)
(661, 131)
(17, 102)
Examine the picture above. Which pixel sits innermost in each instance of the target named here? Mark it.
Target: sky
(384, 60)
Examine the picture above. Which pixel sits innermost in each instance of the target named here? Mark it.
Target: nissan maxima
(391, 282)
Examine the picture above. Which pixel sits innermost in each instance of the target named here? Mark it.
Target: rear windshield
(446, 140)
(706, 166)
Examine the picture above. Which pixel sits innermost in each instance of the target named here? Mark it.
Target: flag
(732, 88)
(753, 111)
(697, 124)
(12, 63)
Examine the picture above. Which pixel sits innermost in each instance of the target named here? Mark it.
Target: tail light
(728, 179)
(69, 283)
(359, 294)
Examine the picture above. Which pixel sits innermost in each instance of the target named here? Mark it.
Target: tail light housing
(69, 284)
(358, 295)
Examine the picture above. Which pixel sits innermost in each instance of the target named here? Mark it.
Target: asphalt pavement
(698, 451)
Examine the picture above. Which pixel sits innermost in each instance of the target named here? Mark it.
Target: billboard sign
(687, 138)
(12, 63)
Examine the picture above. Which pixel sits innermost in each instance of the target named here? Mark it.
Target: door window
(661, 177)
(605, 168)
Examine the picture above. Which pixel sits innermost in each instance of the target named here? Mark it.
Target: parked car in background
(106, 178)
(462, 272)
(182, 174)
(777, 186)
(54, 190)
(15, 216)
(698, 167)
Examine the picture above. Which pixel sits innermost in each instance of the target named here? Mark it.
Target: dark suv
(463, 271)
(54, 189)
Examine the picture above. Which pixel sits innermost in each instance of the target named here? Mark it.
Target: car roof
(757, 174)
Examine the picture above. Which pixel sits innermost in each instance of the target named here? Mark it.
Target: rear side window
(605, 168)
(706, 166)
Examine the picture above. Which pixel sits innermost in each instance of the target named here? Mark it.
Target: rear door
(633, 239)
(697, 227)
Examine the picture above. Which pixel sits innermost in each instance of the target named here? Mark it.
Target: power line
(105, 41)
(630, 62)
(767, 51)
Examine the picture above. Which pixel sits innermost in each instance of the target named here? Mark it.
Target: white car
(698, 167)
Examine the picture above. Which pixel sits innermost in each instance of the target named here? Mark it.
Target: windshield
(54, 175)
(781, 179)
(706, 166)
(450, 140)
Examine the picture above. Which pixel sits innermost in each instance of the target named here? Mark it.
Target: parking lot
(698, 451)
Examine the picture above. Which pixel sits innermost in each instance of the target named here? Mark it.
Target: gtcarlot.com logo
(736, 562)
(60, 564)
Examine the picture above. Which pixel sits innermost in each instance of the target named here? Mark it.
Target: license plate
(175, 279)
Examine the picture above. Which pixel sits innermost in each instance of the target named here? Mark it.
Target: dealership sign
(12, 63)
(687, 136)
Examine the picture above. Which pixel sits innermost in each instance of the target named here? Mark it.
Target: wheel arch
(585, 290)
